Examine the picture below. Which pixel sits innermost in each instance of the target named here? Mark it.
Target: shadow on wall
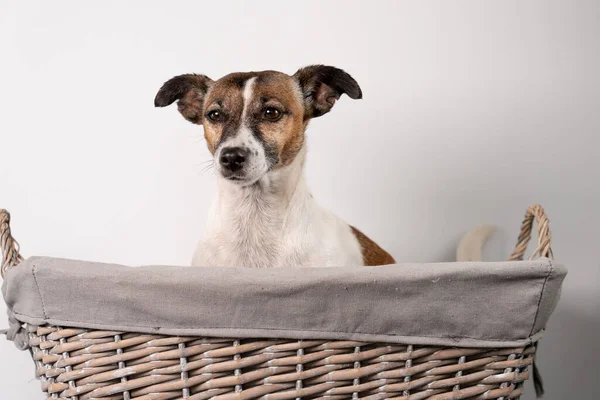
(568, 357)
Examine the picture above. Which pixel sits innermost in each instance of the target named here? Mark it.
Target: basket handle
(9, 247)
(535, 212)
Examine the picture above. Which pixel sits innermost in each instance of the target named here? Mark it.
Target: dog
(264, 215)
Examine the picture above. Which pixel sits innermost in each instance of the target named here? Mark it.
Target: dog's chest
(251, 235)
(263, 234)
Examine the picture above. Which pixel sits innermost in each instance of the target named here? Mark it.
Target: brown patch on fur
(373, 255)
(225, 96)
(287, 135)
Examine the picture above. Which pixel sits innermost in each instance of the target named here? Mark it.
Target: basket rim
(472, 304)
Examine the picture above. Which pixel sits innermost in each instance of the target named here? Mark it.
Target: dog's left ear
(322, 86)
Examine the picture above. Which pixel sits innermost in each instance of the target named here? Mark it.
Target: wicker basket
(82, 364)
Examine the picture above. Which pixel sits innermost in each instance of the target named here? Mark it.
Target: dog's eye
(272, 114)
(215, 116)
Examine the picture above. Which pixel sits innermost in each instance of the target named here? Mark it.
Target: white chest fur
(275, 223)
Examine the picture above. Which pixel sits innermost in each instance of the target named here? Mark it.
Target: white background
(471, 112)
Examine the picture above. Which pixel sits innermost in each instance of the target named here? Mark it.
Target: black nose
(233, 158)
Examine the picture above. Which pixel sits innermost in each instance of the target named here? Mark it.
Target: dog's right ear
(189, 90)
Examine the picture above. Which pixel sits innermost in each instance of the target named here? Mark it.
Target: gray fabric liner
(484, 304)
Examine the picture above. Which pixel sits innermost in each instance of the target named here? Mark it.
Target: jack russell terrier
(264, 215)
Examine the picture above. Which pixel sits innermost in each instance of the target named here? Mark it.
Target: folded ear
(322, 85)
(189, 90)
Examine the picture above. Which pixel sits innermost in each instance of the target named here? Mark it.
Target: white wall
(471, 112)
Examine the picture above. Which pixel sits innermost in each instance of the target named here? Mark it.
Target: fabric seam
(537, 311)
(39, 292)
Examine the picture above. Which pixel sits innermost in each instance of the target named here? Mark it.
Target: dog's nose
(233, 158)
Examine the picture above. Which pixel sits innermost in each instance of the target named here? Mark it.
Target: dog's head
(254, 122)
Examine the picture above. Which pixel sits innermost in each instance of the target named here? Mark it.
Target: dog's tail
(472, 243)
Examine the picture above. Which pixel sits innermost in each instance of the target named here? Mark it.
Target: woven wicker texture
(78, 364)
